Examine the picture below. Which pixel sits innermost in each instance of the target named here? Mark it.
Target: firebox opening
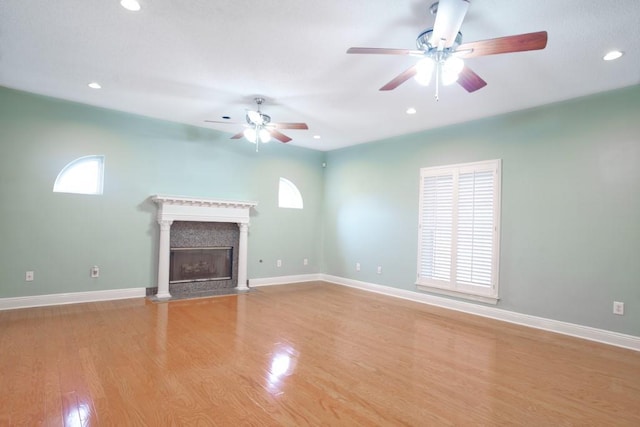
(200, 264)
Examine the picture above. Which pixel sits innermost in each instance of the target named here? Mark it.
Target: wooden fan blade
(279, 136)
(517, 43)
(469, 80)
(384, 51)
(224, 123)
(238, 135)
(289, 125)
(401, 78)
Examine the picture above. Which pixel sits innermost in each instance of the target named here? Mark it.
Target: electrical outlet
(28, 277)
(279, 263)
(95, 271)
(618, 308)
(357, 266)
(305, 261)
(379, 269)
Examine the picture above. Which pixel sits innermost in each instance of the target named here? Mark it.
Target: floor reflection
(283, 363)
(77, 416)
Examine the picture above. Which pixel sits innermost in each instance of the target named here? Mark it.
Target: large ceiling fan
(260, 128)
(442, 50)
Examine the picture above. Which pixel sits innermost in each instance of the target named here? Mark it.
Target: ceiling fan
(442, 50)
(260, 128)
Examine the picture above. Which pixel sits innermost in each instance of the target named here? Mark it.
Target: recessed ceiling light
(94, 85)
(411, 110)
(131, 5)
(614, 54)
(316, 136)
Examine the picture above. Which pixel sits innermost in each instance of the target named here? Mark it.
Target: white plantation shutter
(436, 230)
(459, 228)
(475, 228)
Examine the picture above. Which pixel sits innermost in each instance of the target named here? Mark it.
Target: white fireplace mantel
(173, 208)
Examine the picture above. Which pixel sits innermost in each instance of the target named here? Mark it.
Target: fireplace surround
(175, 208)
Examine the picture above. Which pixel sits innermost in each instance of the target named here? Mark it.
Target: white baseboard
(586, 332)
(70, 298)
(282, 280)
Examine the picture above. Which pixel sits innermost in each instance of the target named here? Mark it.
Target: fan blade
(383, 51)
(449, 19)
(518, 43)
(279, 136)
(224, 123)
(469, 80)
(289, 125)
(401, 78)
(237, 135)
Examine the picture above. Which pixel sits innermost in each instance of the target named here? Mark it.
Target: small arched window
(82, 176)
(288, 195)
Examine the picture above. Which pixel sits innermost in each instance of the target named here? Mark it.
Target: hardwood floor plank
(306, 354)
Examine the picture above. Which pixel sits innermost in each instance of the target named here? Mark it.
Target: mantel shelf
(192, 201)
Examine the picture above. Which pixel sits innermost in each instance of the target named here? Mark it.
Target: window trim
(489, 294)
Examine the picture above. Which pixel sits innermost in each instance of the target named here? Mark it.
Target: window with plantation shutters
(459, 230)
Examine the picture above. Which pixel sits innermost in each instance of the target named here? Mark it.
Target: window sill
(457, 294)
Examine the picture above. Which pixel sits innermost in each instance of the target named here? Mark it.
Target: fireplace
(200, 264)
(198, 210)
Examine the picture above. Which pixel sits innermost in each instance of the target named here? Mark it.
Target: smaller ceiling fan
(260, 128)
(442, 50)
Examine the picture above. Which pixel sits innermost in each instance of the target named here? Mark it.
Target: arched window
(82, 176)
(288, 195)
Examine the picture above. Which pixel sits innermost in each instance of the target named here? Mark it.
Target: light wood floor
(308, 354)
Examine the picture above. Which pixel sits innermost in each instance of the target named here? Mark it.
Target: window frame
(452, 287)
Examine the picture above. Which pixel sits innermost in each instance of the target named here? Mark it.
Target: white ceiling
(187, 61)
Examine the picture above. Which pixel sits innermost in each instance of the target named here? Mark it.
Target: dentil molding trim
(178, 208)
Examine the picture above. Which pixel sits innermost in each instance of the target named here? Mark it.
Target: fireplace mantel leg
(164, 259)
(242, 257)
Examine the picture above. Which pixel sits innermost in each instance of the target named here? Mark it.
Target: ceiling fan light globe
(451, 69)
(424, 71)
(423, 79)
(250, 134)
(264, 135)
(453, 65)
(425, 66)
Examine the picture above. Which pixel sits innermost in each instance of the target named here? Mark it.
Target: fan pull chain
(437, 81)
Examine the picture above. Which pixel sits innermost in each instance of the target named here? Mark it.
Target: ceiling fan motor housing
(424, 42)
(256, 118)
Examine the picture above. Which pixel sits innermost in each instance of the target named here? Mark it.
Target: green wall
(570, 238)
(60, 236)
